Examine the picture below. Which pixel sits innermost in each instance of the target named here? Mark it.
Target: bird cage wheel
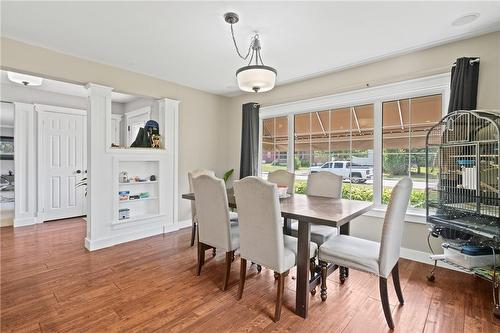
(496, 312)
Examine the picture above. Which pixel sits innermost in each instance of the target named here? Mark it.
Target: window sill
(413, 215)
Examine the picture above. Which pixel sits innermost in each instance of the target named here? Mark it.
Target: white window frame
(425, 86)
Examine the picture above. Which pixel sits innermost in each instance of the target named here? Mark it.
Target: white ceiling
(189, 42)
(67, 89)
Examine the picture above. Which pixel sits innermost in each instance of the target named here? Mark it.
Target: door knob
(78, 171)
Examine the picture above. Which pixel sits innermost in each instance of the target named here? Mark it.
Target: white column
(99, 167)
(169, 119)
(25, 164)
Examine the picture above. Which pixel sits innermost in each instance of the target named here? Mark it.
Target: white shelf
(138, 183)
(135, 200)
(136, 218)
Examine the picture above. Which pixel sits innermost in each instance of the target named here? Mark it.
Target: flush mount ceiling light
(466, 19)
(257, 77)
(27, 80)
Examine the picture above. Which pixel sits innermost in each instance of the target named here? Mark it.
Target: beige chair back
(324, 184)
(212, 211)
(194, 174)
(282, 178)
(392, 231)
(259, 216)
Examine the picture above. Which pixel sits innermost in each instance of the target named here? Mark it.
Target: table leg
(344, 271)
(302, 289)
(287, 226)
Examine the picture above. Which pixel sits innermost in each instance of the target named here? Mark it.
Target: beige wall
(414, 65)
(200, 117)
(210, 125)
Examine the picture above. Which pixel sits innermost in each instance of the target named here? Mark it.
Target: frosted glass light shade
(256, 78)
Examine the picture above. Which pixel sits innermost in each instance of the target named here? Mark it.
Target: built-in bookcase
(142, 196)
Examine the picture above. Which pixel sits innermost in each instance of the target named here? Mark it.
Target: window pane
(320, 138)
(274, 145)
(361, 168)
(405, 126)
(340, 139)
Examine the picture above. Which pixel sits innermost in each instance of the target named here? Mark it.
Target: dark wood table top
(312, 209)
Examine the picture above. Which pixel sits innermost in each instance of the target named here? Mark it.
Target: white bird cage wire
(463, 188)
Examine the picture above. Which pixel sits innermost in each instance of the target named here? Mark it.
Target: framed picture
(6, 148)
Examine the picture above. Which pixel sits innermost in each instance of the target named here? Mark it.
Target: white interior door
(64, 166)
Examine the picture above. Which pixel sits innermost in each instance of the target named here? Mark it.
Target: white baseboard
(102, 243)
(422, 257)
(96, 244)
(25, 221)
(185, 224)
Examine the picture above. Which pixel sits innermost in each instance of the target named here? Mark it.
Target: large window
(372, 137)
(405, 124)
(274, 145)
(339, 141)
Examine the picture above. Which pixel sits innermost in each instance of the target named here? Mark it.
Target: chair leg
(243, 275)
(201, 257)
(397, 285)
(279, 298)
(385, 302)
(229, 256)
(343, 273)
(312, 266)
(312, 269)
(324, 275)
(193, 233)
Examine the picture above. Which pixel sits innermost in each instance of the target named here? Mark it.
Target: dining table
(308, 210)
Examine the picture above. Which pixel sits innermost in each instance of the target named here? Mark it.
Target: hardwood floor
(50, 283)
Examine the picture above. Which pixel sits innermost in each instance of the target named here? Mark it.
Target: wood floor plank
(50, 283)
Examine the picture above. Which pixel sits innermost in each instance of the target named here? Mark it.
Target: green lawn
(364, 192)
(268, 167)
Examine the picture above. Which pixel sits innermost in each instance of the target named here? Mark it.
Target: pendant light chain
(236, 45)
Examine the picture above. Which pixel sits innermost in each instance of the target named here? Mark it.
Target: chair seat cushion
(351, 252)
(291, 251)
(319, 233)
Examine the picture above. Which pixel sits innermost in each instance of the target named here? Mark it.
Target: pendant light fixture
(255, 77)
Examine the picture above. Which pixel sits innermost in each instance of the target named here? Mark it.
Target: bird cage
(463, 188)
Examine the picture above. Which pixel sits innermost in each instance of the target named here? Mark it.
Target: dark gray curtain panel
(249, 140)
(463, 88)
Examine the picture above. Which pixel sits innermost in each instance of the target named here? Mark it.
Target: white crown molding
(97, 88)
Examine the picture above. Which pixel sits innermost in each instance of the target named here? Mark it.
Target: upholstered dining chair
(321, 184)
(282, 178)
(194, 217)
(372, 257)
(261, 235)
(215, 229)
